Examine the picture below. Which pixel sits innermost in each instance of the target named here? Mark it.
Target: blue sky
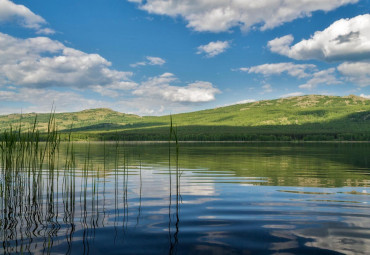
(158, 56)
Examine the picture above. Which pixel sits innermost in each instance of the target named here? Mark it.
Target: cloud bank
(37, 71)
(41, 62)
(295, 70)
(326, 77)
(41, 100)
(357, 72)
(344, 40)
(11, 12)
(221, 15)
(160, 87)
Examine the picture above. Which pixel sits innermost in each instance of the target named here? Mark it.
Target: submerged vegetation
(308, 118)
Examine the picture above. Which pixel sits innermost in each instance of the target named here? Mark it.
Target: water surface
(228, 198)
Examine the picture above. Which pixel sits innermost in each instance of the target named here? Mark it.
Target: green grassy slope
(100, 118)
(312, 117)
(286, 111)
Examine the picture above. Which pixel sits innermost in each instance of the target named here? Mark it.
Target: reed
(24, 204)
(41, 180)
(173, 235)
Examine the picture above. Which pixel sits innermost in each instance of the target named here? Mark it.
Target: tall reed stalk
(39, 191)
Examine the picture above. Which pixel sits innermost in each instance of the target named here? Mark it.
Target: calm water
(221, 199)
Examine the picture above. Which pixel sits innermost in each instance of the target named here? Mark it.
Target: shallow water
(228, 198)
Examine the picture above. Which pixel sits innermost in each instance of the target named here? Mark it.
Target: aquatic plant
(41, 181)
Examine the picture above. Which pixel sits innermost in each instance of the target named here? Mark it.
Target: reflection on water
(221, 198)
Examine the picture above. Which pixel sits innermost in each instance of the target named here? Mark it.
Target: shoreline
(226, 142)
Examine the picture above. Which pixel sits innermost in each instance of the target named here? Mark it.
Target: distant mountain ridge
(301, 117)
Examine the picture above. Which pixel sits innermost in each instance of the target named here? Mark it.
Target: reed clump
(41, 181)
(29, 150)
(24, 204)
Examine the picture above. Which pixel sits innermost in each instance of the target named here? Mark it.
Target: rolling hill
(312, 117)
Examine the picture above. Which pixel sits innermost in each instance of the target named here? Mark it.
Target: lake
(209, 198)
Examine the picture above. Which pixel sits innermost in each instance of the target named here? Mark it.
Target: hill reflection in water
(230, 198)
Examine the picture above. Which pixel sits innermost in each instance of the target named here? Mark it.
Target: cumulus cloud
(160, 87)
(153, 61)
(356, 72)
(365, 96)
(310, 73)
(295, 70)
(213, 49)
(219, 15)
(41, 100)
(115, 89)
(344, 40)
(42, 62)
(326, 77)
(11, 12)
(37, 71)
(151, 106)
(281, 45)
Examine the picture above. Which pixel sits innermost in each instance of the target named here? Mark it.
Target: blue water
(219, 199)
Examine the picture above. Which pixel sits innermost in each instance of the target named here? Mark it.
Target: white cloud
(142, 63)
(114, 90)
(267, 88)
(153, 61)
(322, 77)
(160, 87)
(7, 95)
(34, 72)
(281, 45)
(293, 94)
(151, 106)
(345, 39)
(295, 70)
(10, 12)
(213, 48)
(365, 96)
(221, 15)
(156, 61)
(41, 100)
(357, 72)
(42, 62)
(45, 31)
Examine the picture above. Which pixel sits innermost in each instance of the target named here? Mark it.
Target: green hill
(312, 117)
(84, 119)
